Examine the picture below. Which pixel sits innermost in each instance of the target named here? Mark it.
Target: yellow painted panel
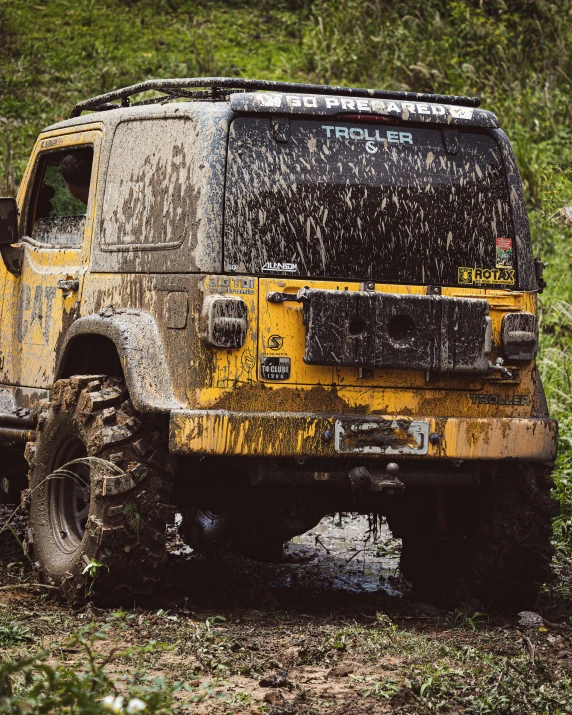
(234, 369)
(296, 435)
(35, 310)
(280, 333)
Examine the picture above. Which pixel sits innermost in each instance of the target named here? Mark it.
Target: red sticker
(504, 257)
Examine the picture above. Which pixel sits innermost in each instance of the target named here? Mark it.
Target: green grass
(455, 669)
(57, 52)
(12, 632)
(31, 683)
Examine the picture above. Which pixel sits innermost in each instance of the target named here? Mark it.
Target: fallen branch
(531, 648)
(359, 551)
(27, 585)
(513, 666)
(319, 541)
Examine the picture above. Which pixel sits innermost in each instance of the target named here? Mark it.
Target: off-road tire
(497, 548)
(128, 506)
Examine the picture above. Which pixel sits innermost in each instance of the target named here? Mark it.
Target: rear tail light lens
(519, 336)
(225, 321)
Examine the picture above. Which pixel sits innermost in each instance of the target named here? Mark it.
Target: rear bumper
(290, 434)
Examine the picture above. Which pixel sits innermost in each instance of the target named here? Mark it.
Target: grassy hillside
(515, 54)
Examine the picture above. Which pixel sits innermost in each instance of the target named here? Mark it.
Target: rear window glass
(367, 201)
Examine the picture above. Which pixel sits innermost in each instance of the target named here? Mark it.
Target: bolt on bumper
(291, 434)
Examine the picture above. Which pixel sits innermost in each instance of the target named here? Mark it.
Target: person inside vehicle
(75, 168)
(44, 206)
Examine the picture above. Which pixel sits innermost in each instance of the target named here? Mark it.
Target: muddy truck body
(263, 303)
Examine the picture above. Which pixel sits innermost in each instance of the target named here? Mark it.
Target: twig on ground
(319, 541)
(359, 551)
(530, 647)
(27, 585)
(513, 666)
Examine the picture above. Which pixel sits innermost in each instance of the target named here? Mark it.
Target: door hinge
(539, 267)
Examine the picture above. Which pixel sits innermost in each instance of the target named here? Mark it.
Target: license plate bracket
(381, 436)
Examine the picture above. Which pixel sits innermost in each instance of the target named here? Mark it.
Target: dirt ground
(332, 629)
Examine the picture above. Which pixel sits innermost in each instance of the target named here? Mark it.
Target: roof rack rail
(218, 88)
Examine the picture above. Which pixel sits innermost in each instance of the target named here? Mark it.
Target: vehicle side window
(58, 210)
(149, 200)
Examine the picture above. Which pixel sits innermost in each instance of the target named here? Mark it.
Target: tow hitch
(362, 478)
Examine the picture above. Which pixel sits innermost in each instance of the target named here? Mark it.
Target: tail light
(224, 321)
(519, 336)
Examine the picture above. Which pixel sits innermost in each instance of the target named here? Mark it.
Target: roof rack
(218, 89)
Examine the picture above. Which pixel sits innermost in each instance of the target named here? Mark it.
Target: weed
(131, 511)
(92, 570)
(12, 633)
(240, 699)
(373, 688)
(472, 622)
(33, 685)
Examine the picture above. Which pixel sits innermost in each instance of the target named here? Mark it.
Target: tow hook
(362, 478)
(498, 366)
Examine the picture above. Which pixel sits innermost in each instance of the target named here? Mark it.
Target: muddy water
(341, 555)
(342, 552)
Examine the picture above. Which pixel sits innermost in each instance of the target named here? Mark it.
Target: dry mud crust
(127, 473)
(496, 549)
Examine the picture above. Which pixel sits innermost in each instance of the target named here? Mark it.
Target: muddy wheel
(99, 486)
(495, 552)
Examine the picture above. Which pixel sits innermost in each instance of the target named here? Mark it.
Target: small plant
(132, 512)
(33, 686)
(472, 622)
(373, 688)
(92, 569)
(240, 699)
(12, 633)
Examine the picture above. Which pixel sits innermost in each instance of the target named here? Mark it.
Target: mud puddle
(341, 556)
(343, 553)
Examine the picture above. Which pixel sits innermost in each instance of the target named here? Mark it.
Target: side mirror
(9, 235)
(8, 221)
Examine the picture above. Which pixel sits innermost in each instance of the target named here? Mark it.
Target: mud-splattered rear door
(3, 273)
(59, 203)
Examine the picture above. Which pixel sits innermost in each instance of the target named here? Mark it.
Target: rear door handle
(68, 286)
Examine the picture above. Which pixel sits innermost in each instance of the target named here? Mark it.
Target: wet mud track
(341, 558)
(330, 629)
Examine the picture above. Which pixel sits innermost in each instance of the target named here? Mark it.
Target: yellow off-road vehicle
(256, 303)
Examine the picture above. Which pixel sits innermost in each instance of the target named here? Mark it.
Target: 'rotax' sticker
(486, 276)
